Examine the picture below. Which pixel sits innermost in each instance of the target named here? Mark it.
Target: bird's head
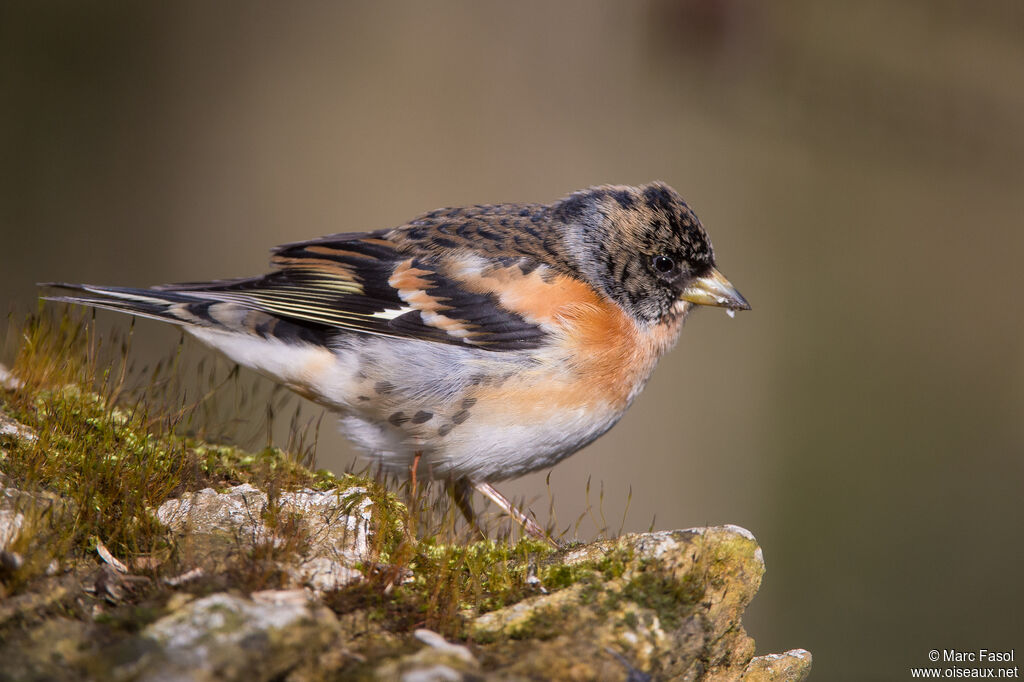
(645, 249)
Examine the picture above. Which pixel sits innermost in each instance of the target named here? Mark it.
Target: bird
(472, 344)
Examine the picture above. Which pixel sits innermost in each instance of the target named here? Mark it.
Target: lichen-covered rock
(334, 527)
(668, 604)
(12, 517)
(654, 606)
(228, 637)
(21, 513)
(439, 660)
(12, 428)
(7, 380)
(47, 651)
(14, 503)
(792, 665)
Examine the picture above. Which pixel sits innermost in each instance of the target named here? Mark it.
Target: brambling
(471, 344)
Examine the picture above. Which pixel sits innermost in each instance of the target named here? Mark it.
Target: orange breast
(607, 354)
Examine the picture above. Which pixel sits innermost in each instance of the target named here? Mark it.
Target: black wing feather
(342, 282)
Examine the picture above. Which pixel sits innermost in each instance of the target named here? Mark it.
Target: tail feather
(190, 309)
(140, 302)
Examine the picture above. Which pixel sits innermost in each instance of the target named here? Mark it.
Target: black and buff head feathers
(642, 246)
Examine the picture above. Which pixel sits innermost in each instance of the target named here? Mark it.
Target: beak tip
(715, 290)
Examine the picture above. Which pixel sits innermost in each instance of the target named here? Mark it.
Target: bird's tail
(191, 309)
(166, 306)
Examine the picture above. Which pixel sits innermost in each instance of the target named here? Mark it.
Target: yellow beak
(714, 289)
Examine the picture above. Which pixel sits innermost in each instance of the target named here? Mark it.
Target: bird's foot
(528, 524)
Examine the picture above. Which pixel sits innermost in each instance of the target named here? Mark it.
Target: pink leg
(412, 473)
(528, 524)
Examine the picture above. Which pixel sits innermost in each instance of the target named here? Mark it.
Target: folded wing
(361, 283)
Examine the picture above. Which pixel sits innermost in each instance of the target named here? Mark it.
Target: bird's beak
(714, 289)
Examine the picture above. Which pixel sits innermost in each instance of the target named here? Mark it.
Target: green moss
(612, 601)
(452, 581)
(108, 472)
(543, 623)
(107, 461)
(130, 618)
(591, 590)
(559, 576)
(102, 463)
(672, 599)
(614, 564)
(730, 554)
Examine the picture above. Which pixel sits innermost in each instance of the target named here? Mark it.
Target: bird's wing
(366, 283)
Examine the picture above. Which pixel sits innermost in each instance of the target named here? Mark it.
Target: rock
(47, 650)
(334, 527)
(438, 661)
(20, 510)
(11, 520)
(793, 665)
(12, 428)
(443, 646)
(8, 380)
(652, 606)
(228, 637)
(17, 506)
(668, 603)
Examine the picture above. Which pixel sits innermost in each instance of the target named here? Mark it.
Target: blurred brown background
(858, 166)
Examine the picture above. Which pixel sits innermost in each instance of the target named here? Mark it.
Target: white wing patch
(392, 314)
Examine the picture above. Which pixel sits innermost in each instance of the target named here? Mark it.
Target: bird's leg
(412, 473)
(462, 494)
(528, 524)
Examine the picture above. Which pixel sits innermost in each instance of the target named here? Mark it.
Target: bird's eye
(663, 264)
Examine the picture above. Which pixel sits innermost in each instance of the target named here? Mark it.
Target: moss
(109, 460)
(611, 602)
(108, 472)
(543, 624)
(591, 591)
(103, 461)
(614, 562)
(672, 599)
(131, 618)
(558, 576)
(730, 554)
(452, 581)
